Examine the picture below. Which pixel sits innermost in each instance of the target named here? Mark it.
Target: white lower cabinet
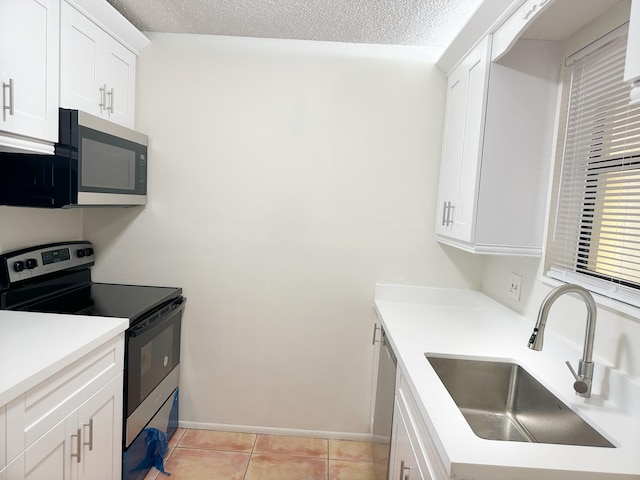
(69, 427)
(100, 424)
(413, 452)
(48, 458)
(404, 464)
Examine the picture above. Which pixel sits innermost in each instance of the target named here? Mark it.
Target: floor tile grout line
(253, 448)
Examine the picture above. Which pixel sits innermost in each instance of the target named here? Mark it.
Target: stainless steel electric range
(56, 278)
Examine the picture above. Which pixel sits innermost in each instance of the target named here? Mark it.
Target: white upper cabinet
(97, 70)
(632, 64)
(497, 149)
(462, 144)
(500, 126)
(29, 31)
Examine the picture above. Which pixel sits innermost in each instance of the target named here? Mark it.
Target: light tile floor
(216, 455)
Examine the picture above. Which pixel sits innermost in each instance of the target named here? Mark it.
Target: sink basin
(502, 401)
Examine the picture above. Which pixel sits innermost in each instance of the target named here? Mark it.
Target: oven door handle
(157, 319)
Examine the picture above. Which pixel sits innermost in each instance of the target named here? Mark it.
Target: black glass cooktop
(71, 295)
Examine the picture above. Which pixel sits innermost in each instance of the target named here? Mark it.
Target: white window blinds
(594, 234)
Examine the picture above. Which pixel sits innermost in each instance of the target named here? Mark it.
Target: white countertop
(461, 322)
(35, 345)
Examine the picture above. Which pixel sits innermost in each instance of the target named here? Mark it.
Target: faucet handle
(582, 384)
(573, 372)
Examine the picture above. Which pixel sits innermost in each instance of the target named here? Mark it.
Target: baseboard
(361, 437)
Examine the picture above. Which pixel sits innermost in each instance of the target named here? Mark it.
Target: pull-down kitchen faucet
(584, 377)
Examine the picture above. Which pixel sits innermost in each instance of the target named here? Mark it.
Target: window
(594, 231)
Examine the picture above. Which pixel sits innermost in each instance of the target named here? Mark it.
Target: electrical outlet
(515, 285)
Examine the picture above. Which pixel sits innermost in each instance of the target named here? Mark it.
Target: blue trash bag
(157, 447)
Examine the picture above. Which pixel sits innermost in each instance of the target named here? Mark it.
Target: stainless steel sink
(502, 401)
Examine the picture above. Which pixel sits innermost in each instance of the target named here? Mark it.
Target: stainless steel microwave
(96, 163)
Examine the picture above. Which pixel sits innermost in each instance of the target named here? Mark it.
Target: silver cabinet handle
(78, 455)
(90, 442)
(103, 97)
(447, 210)
(406, 471)
(7, 105)
(110, 94)
(375, 329)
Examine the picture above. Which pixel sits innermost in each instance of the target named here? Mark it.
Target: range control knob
(88, 251)
(31, 263)
(80, 253)
(18, 266)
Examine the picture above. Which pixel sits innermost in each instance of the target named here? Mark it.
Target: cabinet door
(119, 75)
(101, 425)
(80, 49)
(3, 437)
(404, 464)
(632, 61)
(52, 457)
(462, 146)
(477, 71)
(452, 154)
(97, 73)
(29, 68)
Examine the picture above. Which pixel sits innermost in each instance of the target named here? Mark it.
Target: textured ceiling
(425, 23)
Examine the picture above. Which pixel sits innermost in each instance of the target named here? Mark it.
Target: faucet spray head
(536, 339)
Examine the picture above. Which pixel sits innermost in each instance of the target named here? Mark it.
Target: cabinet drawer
(421, 439)
(31, 415)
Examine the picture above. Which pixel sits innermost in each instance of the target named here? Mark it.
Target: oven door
(152, 365)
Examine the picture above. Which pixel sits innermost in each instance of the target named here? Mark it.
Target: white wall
(25, 227)
(286, 178)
